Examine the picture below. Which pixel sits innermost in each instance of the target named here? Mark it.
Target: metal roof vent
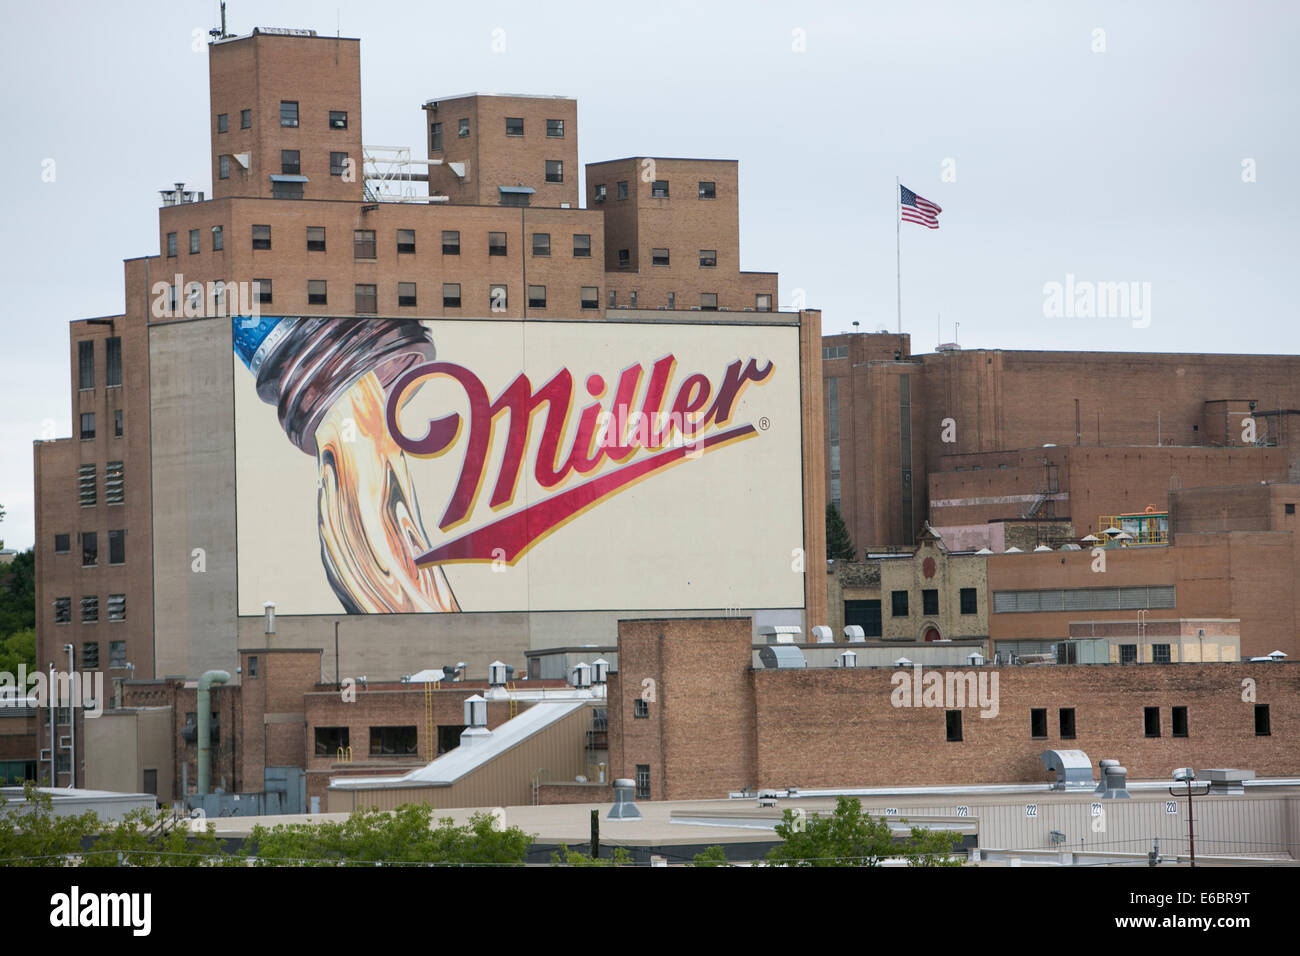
(475, 711)
(779, 633)
(849, 659)
(599, 671)
(1228, 781)
(496, 674)
(1073, 769)
(823, 634)
(1114, 781)
(902, 662)
(624, 807)
(853, 633)
(781, 657)
(976, 659)
(582, 675)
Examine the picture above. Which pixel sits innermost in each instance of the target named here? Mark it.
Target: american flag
(918, 210)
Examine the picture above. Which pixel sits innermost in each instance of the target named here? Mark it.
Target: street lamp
(1187, 775)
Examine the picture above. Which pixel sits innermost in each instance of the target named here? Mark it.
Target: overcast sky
(1108, 141)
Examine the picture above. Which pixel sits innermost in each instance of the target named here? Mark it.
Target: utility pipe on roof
(205, 724)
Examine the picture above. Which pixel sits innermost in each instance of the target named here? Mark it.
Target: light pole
(1187, 775)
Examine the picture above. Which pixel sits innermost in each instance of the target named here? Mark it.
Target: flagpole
(898, 247)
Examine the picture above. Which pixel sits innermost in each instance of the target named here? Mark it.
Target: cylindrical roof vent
(624, 801)
(849, 659)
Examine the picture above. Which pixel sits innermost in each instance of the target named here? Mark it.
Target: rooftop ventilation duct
(781, 657)
(582, 675)
(854, 634)
(902, 662)
(475, 731)
(822, 634)
(849, 659)
(976, 659)
(1114, 781)
(624, 807)
(496, 674)
(779, 633)
(599, 671)
(1073, 769)
(1224, 782)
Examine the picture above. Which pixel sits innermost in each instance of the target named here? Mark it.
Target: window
(86, 364)
(631, 299)
(708, 190)
(252, 666)
(435, 137)
(898, 603)
(245, 119)
(62, 543)
(117, 654)
(555, 128)
(90, 609)
(640, 708)
(1263, 726)
(1128, 653)
(316, 292)
(554, 171)
(835, 352)
(290, 162)
(930, 601)
(171, 244)
(218, 240)
(286, 190)
(659, 257)
(223, 123)
(261, 237)
(288, 113)
(117, 423)
(114, 484)
(330, 740)
(708, 258)
(367, 299)
(450, 242)
(709, 301)
(338, 119)
(622, 190)
(514, 198)
(514, 126)
(405, 241)
(86, 485)
(1066, 721)
(672, 300)
(90, 656)
(497, 298)
(1151, 721)
(63, 610)
(952, 720)
(590, 297)
(113, 360)
(223, 166)
(462, 128)
(1160, 653)
(1038, 722)
(117, 607)
(1290, 507)
(338, 163)
(263, 290)
(87, 426)
(406, 293)
(624, 258)
(89, 549)
(969, 603)
(613, 298)
(541, 243)
(363, 244)
(659, 189)
(763, 302)
(315, 238)
(194, 242)
(117, 547)
(537, 297)
(1179, 722)
(451, 295)
(643, 781)
(581, 246)
(496, 243)
(392, 741)
(600, 193)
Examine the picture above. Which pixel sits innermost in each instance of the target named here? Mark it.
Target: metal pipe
(72, 718)
(205, 724)
(53, 703)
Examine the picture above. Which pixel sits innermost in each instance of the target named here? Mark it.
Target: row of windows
(338, 119)
(401, 741)
(366, 295)
(830, 352)
(90, 659)
(899, 602)
(89, 541)
(1083, 599)
(86, 425)
(365, 245)
(514, 127)
(87, 485)
(86, 363)
(658, 190)
(1150, 722)
(90, 610)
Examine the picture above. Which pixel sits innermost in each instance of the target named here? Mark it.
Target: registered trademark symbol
(764, 424)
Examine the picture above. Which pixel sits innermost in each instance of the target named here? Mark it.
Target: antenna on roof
(219, 33)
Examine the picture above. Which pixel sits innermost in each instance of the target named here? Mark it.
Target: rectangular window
(898, 603)
(405, 241)
(541, 243)
(930, 601)
(624, 258)
(659, 257)
(338, 119)
(1290, 507)
(261, 237)
(90, 656)
(600, 193)
(90, 609)
(537, 297)
(659, 189)
(1151, 721)
(87, 426)
(288, 113)
(498, 298)
(451, 295)
(223, 123)
(223, 166)
(866, 615)
(117, 607)
(194, 242)
(763, 302)
(590, 297)
(406, 293)
(613, 298)
(63, 610)
(338, 163)
(171, 244)
(117, 423)
(708, 258)
(245, 119)
(315, 238)
(392, 741)
(640, 708)
(622, 190)
(1160, 653)
(113, 360)
(363, 244)
(117, 547)
(555, 128)
(643, 781)
(86, 364)
(709, 301)
(672, 300)
(1038, 722)
(86, 485)
(317, 293)
(1066, 721)
(1263, 726)
(89, 549)
(451, 242)
(114, 484)
(117, 654)
(1128, 653)
(290, 162)
(969, 602)
(62, 543)
(496, 243)
(554, 171)
(1179, 722)
(631, 299)
(286, 190)
(218, 240)
(462, 127)
(367, 299)
(708, 190)
(252, 666)
(952, 721)
(514, 126)
(262, 290)
(330, 740)
(581, 246)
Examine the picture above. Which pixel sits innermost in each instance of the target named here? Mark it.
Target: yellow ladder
(430, 732)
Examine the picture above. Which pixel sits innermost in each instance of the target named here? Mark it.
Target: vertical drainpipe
(205, 724)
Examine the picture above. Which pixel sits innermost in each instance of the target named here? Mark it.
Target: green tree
(156, 838)
(31, 834)
(567, 857)
(18, 648)
(849, 837)
(838, 543)
(713, 856)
